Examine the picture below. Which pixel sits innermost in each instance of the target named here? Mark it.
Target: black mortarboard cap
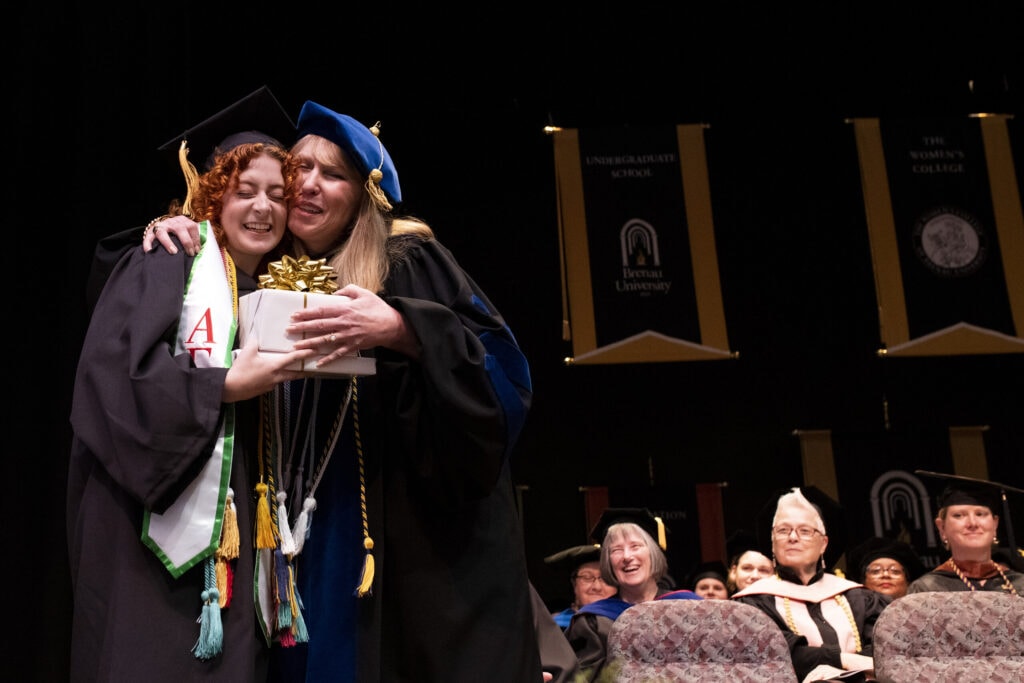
(570, 559)
(715, 569)
(740, 542)
(860, 557)
(642, 517)
(960, 490)
(257, 117)
(831, 514)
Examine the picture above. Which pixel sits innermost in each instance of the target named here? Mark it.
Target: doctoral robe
(450, 598)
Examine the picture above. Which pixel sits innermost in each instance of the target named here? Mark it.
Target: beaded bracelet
(152, 224)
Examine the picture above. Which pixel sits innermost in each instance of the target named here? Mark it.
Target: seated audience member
(885, 566)
(828, 621)
(708, 581)
(747, 562)
(968, 524)
(632, 561)
(583, 565)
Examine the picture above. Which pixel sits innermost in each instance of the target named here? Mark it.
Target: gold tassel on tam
(264, 525)
(375, 176)
(377, 194)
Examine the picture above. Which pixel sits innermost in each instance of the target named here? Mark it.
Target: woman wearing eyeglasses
(583, 564)
(828, 621)
(633, 561)
(885, 565)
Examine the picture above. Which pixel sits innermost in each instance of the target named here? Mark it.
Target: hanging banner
(947, 235)
(640, 277)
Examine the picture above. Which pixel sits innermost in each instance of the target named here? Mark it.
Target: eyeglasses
(805, 533)
(894, 572)
(588, 578)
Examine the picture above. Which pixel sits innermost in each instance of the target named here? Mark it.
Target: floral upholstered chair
(697, 640)
(946, 637)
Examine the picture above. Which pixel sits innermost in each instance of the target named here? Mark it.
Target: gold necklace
(840, 600)
(1007, 585)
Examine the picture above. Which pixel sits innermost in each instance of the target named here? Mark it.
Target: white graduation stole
(189, 530)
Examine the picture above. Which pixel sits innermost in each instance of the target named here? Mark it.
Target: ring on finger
(332, 338)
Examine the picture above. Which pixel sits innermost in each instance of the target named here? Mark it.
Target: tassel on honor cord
(227, 552)
(366, 578)
(211, 630)
(298, 623)
(264, 525)
(284, 607)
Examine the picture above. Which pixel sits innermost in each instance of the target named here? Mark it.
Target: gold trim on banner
(697, 195)
(577, 298)
(578, 325)
(961, 338)
(892, 306)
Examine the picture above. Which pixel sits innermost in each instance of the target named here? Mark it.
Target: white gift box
(266, 313)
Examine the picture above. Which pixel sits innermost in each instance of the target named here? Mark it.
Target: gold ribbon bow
(299, 275)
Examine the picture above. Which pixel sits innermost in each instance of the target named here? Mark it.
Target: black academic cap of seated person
(257, 117)
(960, 490)
(642, 517)
(740, 542)
(570, 559)
(831, 514)
(861, 557)
(714, 569)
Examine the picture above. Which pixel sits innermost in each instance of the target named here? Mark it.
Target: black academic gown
(865, 605)
(942, 580)
(144, 422)
(450, 599)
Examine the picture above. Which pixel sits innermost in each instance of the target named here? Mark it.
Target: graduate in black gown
(163, 434)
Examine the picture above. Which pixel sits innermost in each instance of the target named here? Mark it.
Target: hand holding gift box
(290, 285)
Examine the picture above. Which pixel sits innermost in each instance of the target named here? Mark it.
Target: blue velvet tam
(360, 143)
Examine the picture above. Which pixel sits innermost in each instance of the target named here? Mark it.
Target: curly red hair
(208, 199)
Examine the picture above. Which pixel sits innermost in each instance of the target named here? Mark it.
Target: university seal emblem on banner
(944, 219)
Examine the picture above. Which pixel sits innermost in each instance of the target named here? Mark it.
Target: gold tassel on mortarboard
(191, 177)
(662, 542)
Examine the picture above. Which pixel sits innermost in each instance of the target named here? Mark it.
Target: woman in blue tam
(409, 562)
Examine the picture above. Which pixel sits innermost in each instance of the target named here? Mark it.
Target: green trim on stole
(189, 530)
